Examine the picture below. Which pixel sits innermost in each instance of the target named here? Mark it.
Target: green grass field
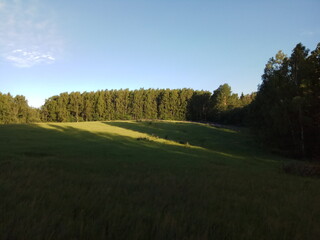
(148, 180)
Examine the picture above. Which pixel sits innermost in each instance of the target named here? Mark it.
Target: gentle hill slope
(148, 180)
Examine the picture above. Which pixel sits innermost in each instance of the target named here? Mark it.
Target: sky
(49, 47)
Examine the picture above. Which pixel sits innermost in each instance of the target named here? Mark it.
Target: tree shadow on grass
(72, 146)
(139, 148)
(70, 141)
(224, 141)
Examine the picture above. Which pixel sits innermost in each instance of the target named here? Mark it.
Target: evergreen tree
(110, 113)
(199, 106)
(150, 104)
(137, 104)
(75, 106)
(100, 106)
(283, 111)
(163, 104)
(87, 110)
(61, 109)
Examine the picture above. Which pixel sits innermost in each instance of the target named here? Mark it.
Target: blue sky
(48, 47)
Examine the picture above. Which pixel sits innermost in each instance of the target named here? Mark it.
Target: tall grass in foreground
(148, 180)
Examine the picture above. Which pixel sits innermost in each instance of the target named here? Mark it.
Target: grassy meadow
(148, 180)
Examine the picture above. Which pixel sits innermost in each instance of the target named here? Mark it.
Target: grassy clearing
(148, 180)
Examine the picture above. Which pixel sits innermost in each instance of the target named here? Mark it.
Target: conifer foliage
(124, 104)
(286, 110)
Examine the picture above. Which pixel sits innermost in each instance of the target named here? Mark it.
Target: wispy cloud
(28, 35)
(21, 58)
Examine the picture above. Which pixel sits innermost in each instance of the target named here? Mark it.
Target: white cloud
(21, 58)
(28, 35)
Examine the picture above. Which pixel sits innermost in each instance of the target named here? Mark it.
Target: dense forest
(286, 110)
(284, 113)
(124, 104)
(165, 104)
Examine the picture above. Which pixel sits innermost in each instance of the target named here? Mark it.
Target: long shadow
(138, 147)
(66, 141)
(225, 141)
(81, 150)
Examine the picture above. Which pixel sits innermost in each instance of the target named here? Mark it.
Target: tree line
(124, 104)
